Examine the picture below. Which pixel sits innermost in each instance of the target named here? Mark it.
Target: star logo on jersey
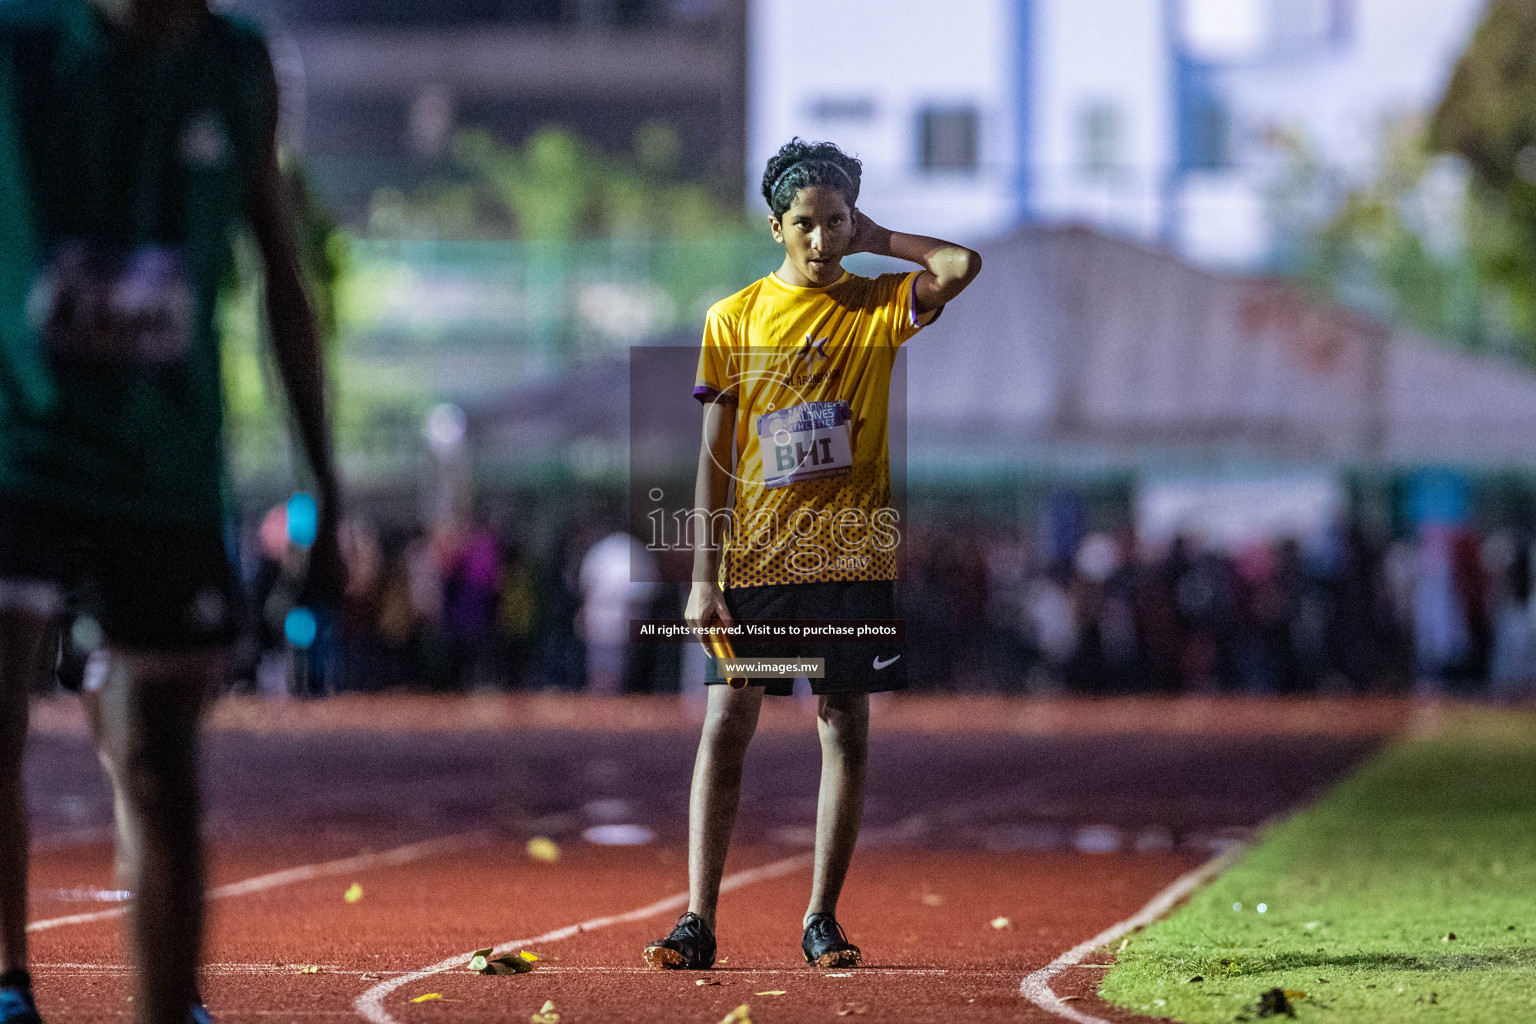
(814, 352)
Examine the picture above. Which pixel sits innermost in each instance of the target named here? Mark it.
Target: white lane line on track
(292, 876)
(1036, 987)
(370, 1005)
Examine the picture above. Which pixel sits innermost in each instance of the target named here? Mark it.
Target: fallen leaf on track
(741, 1015)
(1002, 922)
(546, 1014)
(703, 981)
(310, 969)
(481, 962)
(428, 997)
(772, 992)
(543, 849)
(353, 894)
(852, 1009)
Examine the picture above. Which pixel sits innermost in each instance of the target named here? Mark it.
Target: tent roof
(1075, 347)
(1074, 342)
(1077, 350)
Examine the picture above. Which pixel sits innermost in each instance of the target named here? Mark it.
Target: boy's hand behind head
(867, 235)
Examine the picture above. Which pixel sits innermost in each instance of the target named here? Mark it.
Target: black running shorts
(149, 588)
(851, 667)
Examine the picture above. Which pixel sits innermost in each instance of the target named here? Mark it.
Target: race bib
(805, 442)
(113, 308)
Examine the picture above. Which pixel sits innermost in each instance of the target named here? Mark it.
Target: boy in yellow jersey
(794, 376)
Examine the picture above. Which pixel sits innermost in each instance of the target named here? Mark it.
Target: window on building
(1100, 137)
(843, 108)
(949, 138)
(1205, 134)
(1210, 135)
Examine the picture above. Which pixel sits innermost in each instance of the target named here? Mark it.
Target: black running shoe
(16, 1005)
(825, 944)
(690, 946)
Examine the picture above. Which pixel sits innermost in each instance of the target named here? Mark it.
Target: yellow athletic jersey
(809, 371)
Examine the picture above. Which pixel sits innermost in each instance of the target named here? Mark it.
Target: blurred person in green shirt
(136, 136)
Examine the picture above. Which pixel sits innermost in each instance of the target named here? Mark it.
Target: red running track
(1063, 818)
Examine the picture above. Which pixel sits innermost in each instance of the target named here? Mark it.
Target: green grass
(1433, 837)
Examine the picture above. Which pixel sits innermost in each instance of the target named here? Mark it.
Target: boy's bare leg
(149, 709)
(843, 723)
(21, 642)
(729, 722)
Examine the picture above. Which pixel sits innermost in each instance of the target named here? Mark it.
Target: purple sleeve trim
(933, 314)
(707, 394)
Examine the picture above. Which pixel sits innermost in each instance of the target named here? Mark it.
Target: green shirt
(123, 173)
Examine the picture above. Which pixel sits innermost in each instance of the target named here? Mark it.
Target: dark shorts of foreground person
(138, 587)
(851, 667)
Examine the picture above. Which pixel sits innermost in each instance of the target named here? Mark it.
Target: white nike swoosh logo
(885, 664)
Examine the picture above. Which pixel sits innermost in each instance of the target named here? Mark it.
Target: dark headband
(773, 189)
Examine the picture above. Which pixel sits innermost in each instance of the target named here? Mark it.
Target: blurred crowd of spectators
(456, 608)
(474, 607)
(1339, 615)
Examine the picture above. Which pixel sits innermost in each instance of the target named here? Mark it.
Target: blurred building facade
(1163, 120)
(373, 93)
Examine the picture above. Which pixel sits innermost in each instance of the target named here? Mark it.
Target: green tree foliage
(557, 187)
(1386, 244)
(1488, 117)
(1396, 245)
(255, 408)
(1488, 113)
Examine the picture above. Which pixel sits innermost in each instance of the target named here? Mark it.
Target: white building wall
(1098, 61)
(1394, 61)
(859, 73)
